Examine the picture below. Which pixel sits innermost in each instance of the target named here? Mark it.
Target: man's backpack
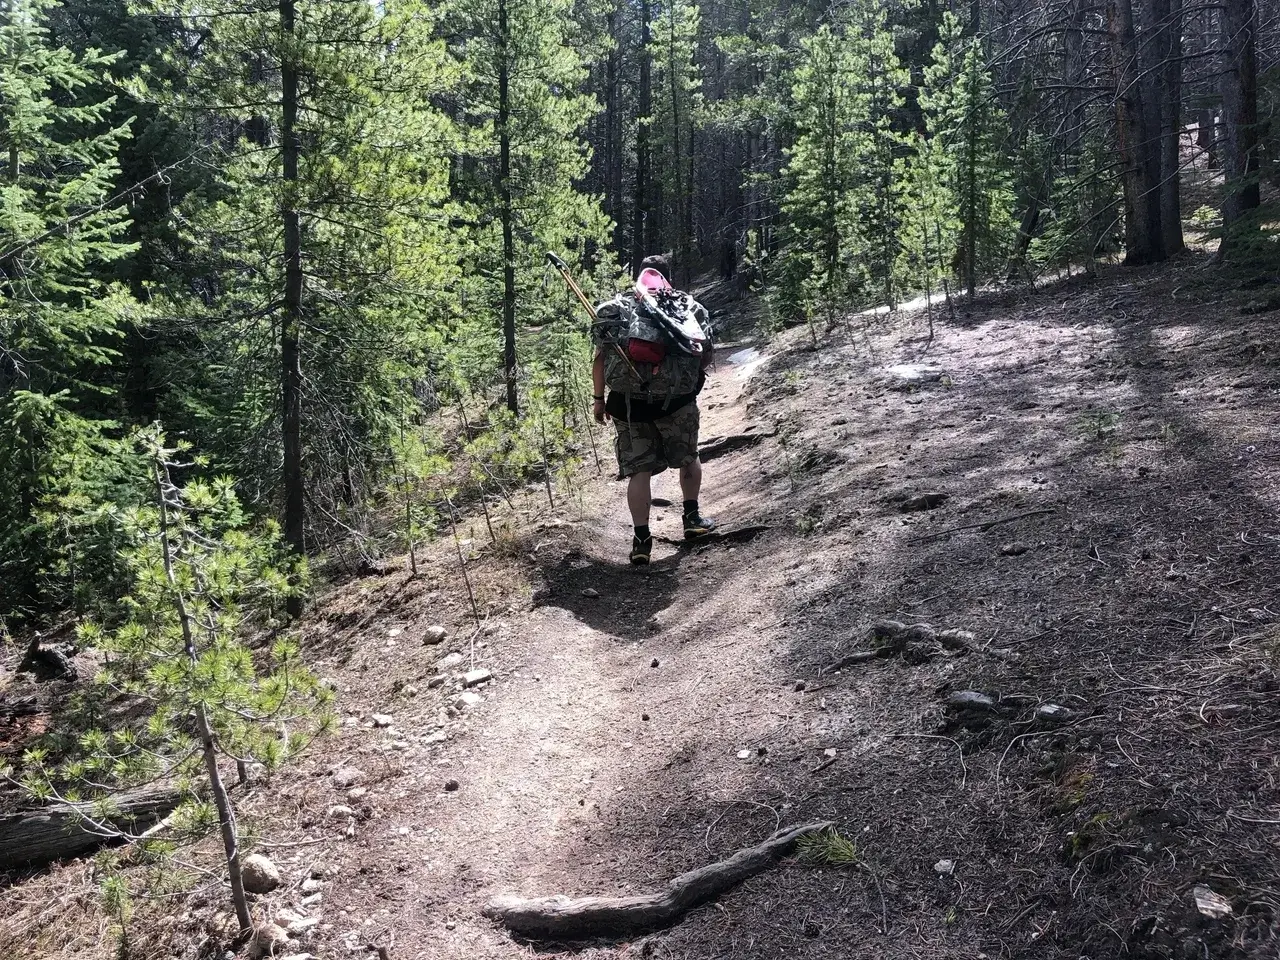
(656, 341)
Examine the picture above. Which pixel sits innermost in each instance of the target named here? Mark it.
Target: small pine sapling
(197, 693)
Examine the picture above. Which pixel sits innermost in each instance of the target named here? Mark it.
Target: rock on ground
(260, 874)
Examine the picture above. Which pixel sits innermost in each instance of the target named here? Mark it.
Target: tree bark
(1143, 240)
(613, 133)
(562, 918)
(1240, 160)
(33, 838)
(508, 211)
(642, 215)
(1167, 17)
(291, 322)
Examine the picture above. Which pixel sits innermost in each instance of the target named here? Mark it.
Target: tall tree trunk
(642, 226)
(1143, 244)
(1240, 160)
(1167, 17)
(508, 211)
(1207, 135)
(291, 322)
(613, 133)
(677, 161)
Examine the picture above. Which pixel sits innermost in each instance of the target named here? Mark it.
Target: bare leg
(691, 479)
(638, 497)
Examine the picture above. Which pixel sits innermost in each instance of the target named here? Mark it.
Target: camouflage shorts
(652, 447)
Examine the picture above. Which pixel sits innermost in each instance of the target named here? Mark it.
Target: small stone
(355, 793)
(436, 681)
(469, 698)
(268, 937)
(382, 719)
(450, 786)
(394, 632)
(339, 812)
(450, 925)
(410, 691)
(346, 777)
(311, 885)
(433, 635)
(299, 956)
(312, 900)
(1013, 549)
(945, 868)
(800, 686)
(474, 678)
(1210, 904)
(260, 874)
(591, 592)
(654, 663)
(761, 751)
(1052, 714)
(829, 752)
(449, 661)
(744, 754)
(644, 716)
(302, 926)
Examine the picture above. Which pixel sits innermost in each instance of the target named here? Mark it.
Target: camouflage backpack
(655, 343)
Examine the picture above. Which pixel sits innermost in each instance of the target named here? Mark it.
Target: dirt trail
(1122, 432)
(1138, 437)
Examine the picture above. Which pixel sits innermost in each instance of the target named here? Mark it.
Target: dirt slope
(1132, 421)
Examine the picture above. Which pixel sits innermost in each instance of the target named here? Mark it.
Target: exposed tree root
(563, 918)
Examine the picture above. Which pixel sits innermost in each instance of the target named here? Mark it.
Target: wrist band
(600, 398)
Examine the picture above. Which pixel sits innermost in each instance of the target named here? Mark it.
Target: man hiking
(652, 353)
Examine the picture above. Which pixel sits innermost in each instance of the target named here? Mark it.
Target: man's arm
(597, 387)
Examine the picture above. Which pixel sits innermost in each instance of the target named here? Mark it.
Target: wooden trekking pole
(563, 269)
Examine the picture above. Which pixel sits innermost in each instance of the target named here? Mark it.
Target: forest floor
(1107, 526)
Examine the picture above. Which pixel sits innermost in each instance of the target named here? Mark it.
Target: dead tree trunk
(642, 216)
(34, 838)
(1240, 160)
(291, 325)
(1134, 141)
(1167, 25)
(507, 211)
(564, 919)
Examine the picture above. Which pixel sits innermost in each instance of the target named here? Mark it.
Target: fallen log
(37, 837)
(562, 918)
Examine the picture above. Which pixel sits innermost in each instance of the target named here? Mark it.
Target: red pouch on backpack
(645, 351)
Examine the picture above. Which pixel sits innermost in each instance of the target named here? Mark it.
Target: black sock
(643, 532)
(691, 508)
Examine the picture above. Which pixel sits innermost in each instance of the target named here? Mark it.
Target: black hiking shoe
(696, 525)
(640, 550)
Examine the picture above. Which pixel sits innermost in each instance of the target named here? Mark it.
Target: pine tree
(677, 119)
(62, 226)
(310, 321)
(816, 273)
(877, 208)
(961, 112)
(203, 580)
(524, 124)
